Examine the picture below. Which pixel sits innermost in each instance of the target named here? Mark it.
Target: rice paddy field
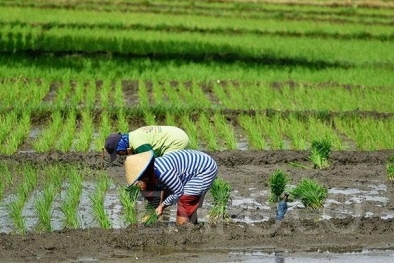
(255, 84)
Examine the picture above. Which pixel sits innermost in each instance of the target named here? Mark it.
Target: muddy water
(262, 257)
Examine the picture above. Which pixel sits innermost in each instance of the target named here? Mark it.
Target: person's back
(163, 139)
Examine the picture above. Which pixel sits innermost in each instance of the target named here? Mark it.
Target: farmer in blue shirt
(186, 174)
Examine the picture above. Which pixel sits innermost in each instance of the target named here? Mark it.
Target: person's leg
(187, 209)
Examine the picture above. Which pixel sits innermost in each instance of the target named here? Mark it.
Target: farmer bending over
(160, 139)
(186, 174)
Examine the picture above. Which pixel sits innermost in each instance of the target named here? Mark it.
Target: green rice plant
(222, 97)
(5, 173)
(97, 199)
(276, 130)
(220, 191)
(6, 124)
(310, 193)
(23, 191)
(84, 134)
(15, 209)
(277, 182)
(105, 128)
(150, 216)
(77, 95)
(170, 119)
(128, 199)
(69, 205)
(143, 96)
(191, 129)
(65, 139)
(19, 133)
(43, 207)
(390, 168)
(252, 127)
(206, 130)
(149, 117)
(47, 137)
(320, 152)
(390, 171)
(297, 133)
(323, 127)
(118, 96)
(104, 93)
(225, 131)
(122, 123)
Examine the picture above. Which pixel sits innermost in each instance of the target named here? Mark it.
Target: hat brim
(137, 165)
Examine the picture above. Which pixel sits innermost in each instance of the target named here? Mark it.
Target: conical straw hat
(136, 165)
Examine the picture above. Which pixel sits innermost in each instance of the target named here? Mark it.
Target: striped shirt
(185, 172)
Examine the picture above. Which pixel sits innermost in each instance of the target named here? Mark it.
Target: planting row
(247, 47)
(31, 19)
(110, 67)
(66, 132)
(41, 97)
(58, 196)
(243, 9)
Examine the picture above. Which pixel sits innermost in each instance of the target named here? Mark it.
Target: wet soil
(348, 226)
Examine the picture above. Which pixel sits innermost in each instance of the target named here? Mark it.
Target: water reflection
(279, 258)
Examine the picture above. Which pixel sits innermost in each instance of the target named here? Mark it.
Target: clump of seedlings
(310, 193)
(277, 181)
(220, 191)
(70, 202)
(390, 168)
(150, 216)
(97, 199)
(320, 152)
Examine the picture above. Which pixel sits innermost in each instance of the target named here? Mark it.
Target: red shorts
(188, 204)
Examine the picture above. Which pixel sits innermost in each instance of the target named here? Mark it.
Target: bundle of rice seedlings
(310, 193)
(134, 192)
(220, 191)
(320, 152)
(150, 216)
(277, 182)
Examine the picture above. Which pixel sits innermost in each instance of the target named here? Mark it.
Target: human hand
(159, 210)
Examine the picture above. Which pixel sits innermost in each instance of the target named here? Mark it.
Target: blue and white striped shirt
(185, 172)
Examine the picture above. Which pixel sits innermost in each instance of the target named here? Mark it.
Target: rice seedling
(390, 171)
(390, 168)
(5, 173)
(310, 193)
(15, 209)
(320, 152)
(97, 199)
(69, 205)
(191, 129)
(128, 199)
(84, 135)
(65, 138)
(277, 182)
(220, 191)
(225, 131)
(43, 207)
(252, 127)
(206, 130)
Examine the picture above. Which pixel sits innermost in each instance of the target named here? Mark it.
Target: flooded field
(355, 223)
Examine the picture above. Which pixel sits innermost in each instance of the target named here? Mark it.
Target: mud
(357, 216)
